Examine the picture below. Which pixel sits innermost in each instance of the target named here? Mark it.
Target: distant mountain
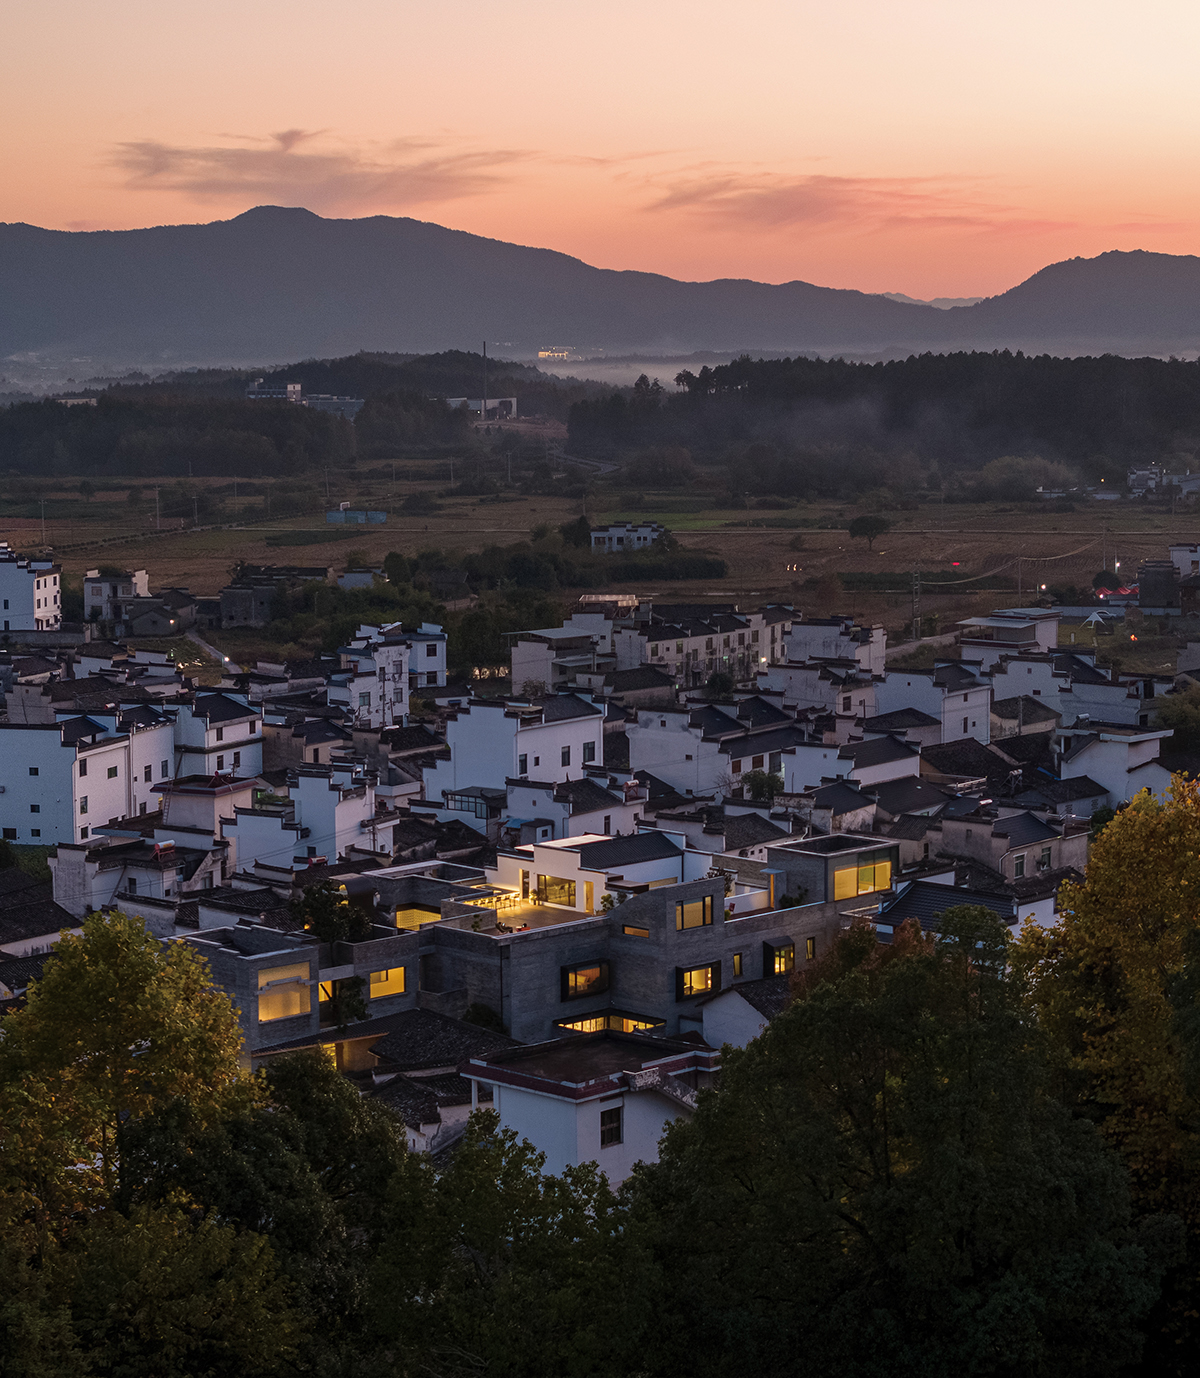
(276, 283)
(942, 303)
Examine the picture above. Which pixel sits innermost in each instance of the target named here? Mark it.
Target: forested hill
(957, 411)
(279, 282)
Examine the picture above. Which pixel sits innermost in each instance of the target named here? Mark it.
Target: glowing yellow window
(390, 982)
(845, 883)
(283, 992)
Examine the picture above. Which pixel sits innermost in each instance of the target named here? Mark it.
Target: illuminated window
(782, 959)
(610, 1126)
(412, 917)
(862, 880)
(283, 992)
(588, 978)
(695, 914)
(737, 963)
(556, 890)
(389, 982)
(609, 1020)
(691, 981)
(810, 949)
(631, 931)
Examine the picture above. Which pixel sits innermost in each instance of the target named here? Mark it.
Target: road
(219, 656)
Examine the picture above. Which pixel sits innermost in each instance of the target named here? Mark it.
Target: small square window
(430, 649)
(10, 834)
(35, 808)
(35, 832)
(112, 772)
(33, 770)
(83, 832)
(610, 1127)
(431, 677)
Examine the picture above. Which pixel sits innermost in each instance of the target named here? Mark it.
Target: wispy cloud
(770, 201)
(306, 167)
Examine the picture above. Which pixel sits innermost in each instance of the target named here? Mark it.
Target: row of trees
(962, 1156)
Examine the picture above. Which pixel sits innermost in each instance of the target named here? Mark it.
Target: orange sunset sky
(913, 146)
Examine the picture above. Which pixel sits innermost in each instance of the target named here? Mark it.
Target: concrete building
(107, 595)
(837, 638)
(1120, 758)
(1008, 631)
(953, 692)
(626, 535)
(30, 594)
(219, 733)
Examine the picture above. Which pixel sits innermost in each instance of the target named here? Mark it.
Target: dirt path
(219, 656)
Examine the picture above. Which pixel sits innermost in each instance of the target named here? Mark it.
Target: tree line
(950, 1155)
(826, 423)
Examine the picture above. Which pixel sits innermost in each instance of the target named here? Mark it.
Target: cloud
(770, 201)
(298, 166)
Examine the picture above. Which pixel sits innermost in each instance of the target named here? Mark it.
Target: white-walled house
(953, 692)
(602, 1097)
(61, 780)
(838, 638)
(1122, 759)
(571, 808)
(220, 733)
(494, 741)
(329, 809)
(30, 594)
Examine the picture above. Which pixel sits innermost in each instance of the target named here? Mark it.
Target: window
(220, 734)
(141, 808)
(251, 729)
(632, 931)
(430, 649)
(522, 765)
(756, 763)
(737, 963)
(566, 755)
(364, 700)
(35, 808)
(132, 885)
(589, 752)
(1019, 865)
(691, 981)
(779, 960)
(964, 724)
(112, 772)
(221, 761)
(741, 638)
(148, 774)
(695, 914)
(754, 636)
(607, 824)
(82, 769)
(431, 677)
(237, 759)
(83, 832)
(1044, 860)
(679, 648)
(556, 890)
(10, 834)
(35, 832)
(83, 803)
(587, 978)
(653, 649)
(537, 761)
(610, 1126)
(163, 771)
(283, 992)
(316, 757)
(810, 949)
(389, 982)
(737, 767)
(33, 770)
(863, 879)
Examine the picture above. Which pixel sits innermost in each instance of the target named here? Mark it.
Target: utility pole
(195, 511)
(43, 521)
(483, 416)
(916, 603)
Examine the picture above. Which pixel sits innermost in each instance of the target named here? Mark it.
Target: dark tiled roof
(877, 752)
(17, 972)
(909, 827)
(1030, 888)
(1023, 829)
(966, 758)
(585, 796)
(750, 830)
(1024, 708)
(763, 743)
(955, 676)
(641, 677)
(415, 738)
(901, 720)
(714, 722)
(908, 795)
(625, 851)
(564, 706)
(219, 708)
(759, 712)
(841, 798)
(29, 912)
(769, 996)
(1047, 791)
(417, 1039)
(925, 900)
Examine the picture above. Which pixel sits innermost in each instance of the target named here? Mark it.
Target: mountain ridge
(276, 282)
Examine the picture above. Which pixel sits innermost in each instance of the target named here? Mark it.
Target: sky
(930, 148)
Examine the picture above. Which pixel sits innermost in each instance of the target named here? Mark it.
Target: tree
(762, 785)
(577, 533)
(868, 528)
(883, 1183)
(1181, 713)
(719, 685)
(326, 914)
(118, 1025)
(1110, 986)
